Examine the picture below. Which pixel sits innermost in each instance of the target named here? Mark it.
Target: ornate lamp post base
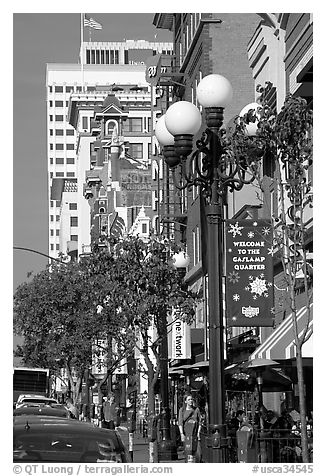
(167, 451)
(217, 444)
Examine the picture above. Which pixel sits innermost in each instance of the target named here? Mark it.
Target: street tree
(56, 313)
(283, 141)
(147, 289)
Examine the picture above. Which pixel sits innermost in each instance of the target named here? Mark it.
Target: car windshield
(65, 447)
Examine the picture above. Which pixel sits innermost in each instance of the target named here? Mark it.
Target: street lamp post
(212, 169)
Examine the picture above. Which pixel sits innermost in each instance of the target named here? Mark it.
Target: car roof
(51, 423)
(35, 395)
(42, 409)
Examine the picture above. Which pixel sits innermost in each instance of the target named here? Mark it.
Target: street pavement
(141, 447)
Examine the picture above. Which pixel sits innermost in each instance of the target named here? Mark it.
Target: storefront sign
(155, 66)
(181, 341)
(249, 273)
(99, 357)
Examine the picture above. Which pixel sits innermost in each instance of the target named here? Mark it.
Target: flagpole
(81, 48)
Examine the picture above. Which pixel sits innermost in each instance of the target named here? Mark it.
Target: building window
(135, 150)
(116, 56)
(70, 160)
(72, 206)
(51, 232)
(70, 174)
(98, 57)
(51, 203)
(144, 228)
(58, 89)
(51, 217)
(57, 218)
(57, 232)
(51, 132)
(59, 174)
(70, 132)
(51, 160)
(59, 147)
(133, 124)
(85, 123)
(59, 118)
(50, 89)
(58, 203)
(52, 246)
(73, 237)
(57, 247)
(70, 146)
(51, 117)
(109, 127)
(59, 132)
(69, 89)
(58, 103)
(73, 221)
(59, 160)
(51, 103)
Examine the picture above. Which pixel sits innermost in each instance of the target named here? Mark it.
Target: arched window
(109, 127)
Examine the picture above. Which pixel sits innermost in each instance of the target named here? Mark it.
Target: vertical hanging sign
(181, 341)
(249, 273)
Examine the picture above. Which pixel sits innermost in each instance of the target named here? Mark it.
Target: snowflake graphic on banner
(235, 229)
(233, 277)
(236, 297)
(266, 231)
(258, 287)
(251, 234)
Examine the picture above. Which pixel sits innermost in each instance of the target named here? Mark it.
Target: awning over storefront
(280, 344)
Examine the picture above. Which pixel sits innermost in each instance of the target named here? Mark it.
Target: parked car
(44, 409)
(52, 439)
(33, 398)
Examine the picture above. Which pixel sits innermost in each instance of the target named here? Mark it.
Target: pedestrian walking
(73, 410)
(109, 412)
(189, 422)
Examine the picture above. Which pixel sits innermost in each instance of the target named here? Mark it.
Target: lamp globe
(214, 90)
(251, 128)
(162, 134)
(182, 118)
(180, 260)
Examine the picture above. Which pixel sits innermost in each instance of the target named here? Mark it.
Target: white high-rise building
(117, 67)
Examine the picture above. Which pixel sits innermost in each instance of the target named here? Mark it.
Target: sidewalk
(141, 447)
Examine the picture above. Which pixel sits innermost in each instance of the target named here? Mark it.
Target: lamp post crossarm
(212, 161)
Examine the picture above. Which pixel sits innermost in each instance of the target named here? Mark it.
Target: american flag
(91, 23)
(117, 226)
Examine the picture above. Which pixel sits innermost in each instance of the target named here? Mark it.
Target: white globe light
(183, 117)
(251, 128)
(162, 134)
(214, 91)
(180, 260)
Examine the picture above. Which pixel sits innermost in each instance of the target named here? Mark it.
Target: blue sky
(40, 38)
